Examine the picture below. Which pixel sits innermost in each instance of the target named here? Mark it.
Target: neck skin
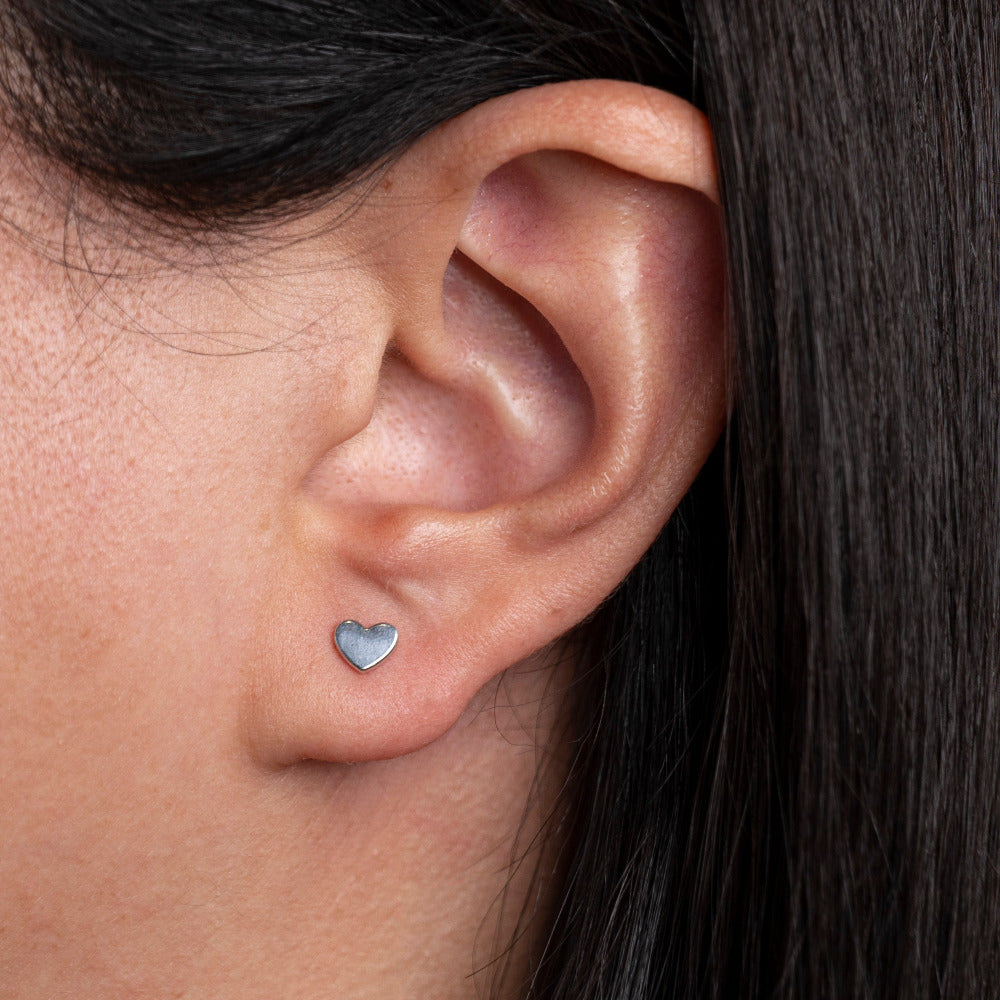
(410, 876)
(396, 879)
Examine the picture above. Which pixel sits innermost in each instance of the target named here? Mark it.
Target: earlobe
(554, 386)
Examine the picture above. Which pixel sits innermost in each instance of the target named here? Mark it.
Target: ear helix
(364, 648)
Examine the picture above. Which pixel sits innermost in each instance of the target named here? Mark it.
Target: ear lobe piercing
(362, 647)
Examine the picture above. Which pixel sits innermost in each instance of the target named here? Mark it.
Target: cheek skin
(137, 576)
(117, 710)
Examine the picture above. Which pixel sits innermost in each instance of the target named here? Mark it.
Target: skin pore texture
(464, 404)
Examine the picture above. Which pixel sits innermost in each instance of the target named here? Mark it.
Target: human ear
(551, 384)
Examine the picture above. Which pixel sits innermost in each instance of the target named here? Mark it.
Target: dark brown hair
(786, 784)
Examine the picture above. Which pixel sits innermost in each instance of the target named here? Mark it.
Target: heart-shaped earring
(364, 647)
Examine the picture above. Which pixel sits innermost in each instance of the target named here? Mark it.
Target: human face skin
(160, 402)
(187, 453)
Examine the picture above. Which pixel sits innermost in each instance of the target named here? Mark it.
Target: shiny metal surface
(362, 647)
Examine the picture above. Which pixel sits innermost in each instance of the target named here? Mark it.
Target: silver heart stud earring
(364, 647)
